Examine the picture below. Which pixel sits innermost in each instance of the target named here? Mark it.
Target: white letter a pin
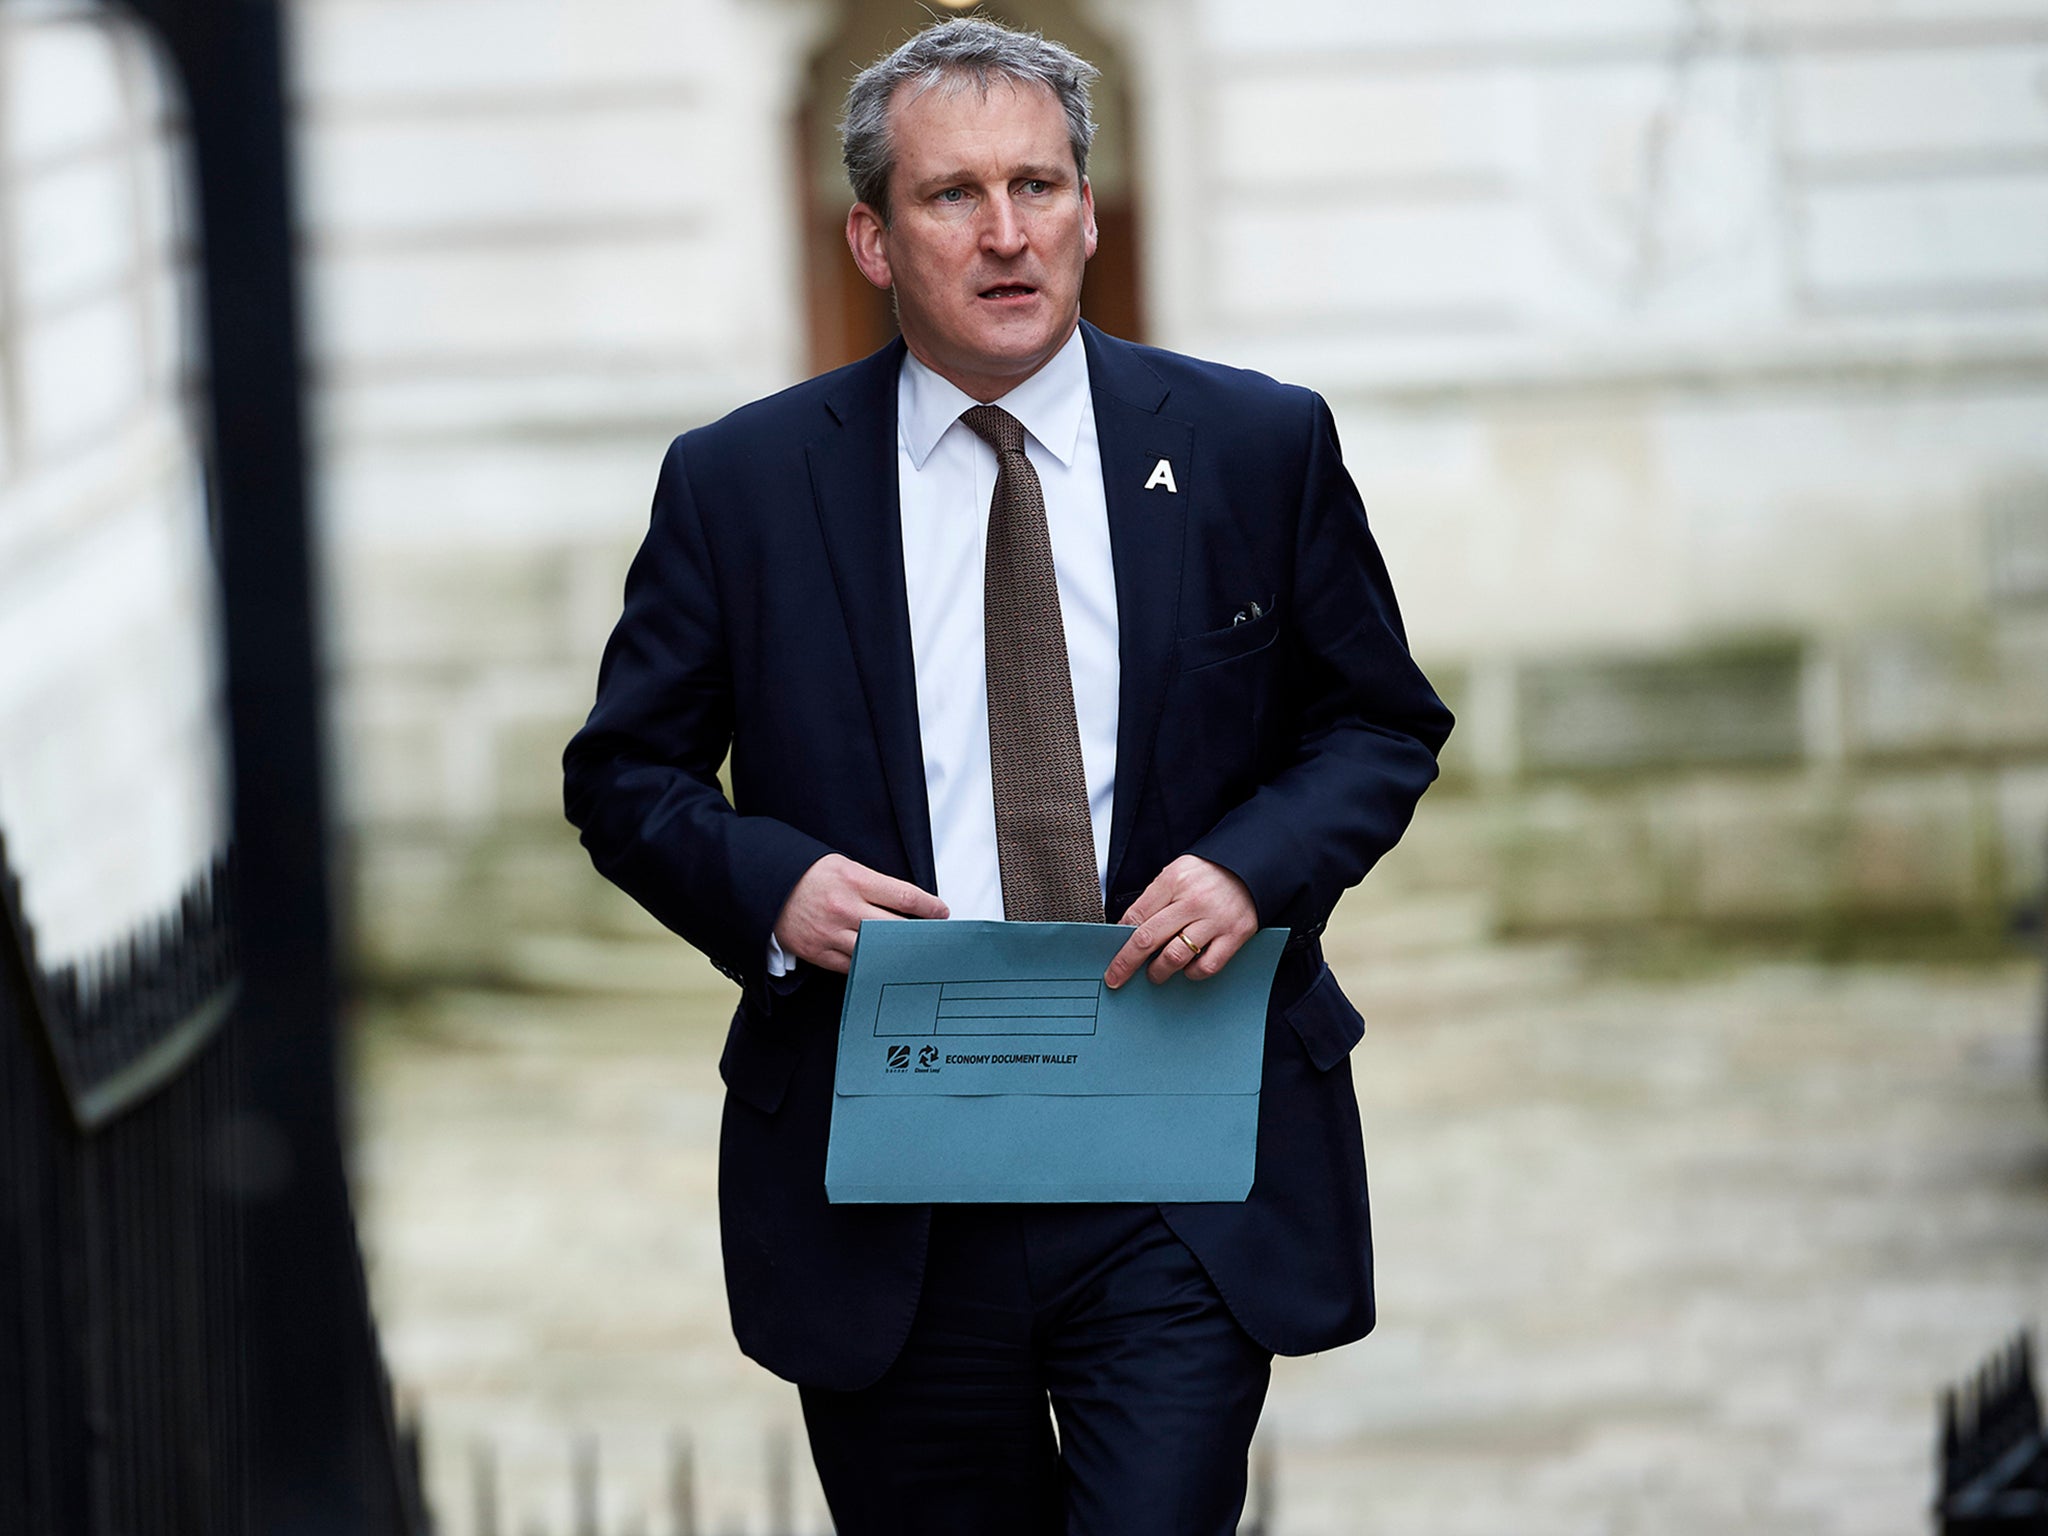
(1162, 474)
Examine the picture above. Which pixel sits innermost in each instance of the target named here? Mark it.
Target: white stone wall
(1654, 328)
(1657, 329)
(1661, 332)
(112, 793)
(1645, 320)
(541, 239)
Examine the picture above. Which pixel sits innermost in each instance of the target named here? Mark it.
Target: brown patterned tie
(1045, 842)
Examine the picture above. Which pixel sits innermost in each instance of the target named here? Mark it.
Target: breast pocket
(1217, 646)
(1216, 720)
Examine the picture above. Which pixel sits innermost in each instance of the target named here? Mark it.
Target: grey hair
(954, 52)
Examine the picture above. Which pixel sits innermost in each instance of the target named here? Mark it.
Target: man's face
(990, 227)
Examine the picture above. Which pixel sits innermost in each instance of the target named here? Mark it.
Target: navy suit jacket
(765, 614)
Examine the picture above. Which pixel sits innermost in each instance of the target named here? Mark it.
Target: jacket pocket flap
(1326, 1022)
(757, 1073)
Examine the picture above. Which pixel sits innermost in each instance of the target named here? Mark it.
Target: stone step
(1453, 981)
(662, 965)
(1407, 922)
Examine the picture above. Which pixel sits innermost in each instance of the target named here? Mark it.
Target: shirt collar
(1049, 403)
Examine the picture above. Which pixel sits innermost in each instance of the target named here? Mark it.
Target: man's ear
(867, 236)
(1087, 219)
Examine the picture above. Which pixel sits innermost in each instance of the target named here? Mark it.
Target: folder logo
(927, 1058)
(899, 1057)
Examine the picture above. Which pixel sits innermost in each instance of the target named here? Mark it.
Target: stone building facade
(1691, 354)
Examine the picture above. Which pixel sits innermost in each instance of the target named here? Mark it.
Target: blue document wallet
(988, 1062)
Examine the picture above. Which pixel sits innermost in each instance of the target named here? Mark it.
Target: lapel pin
(1162, 474)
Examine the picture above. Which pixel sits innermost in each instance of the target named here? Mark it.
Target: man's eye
(952, 195)
(1034, 186)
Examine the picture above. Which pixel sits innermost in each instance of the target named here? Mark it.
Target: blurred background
(1692, 359)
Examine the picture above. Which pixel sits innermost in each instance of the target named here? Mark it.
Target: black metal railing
(127, 1158)
(586, 1501)
(123, 1023)
(120, 1248)
(1994, 1454)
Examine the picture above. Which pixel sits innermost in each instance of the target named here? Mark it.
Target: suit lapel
(1146, 530)
(853, 478)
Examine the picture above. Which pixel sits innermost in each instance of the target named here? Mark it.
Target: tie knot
(996, 427)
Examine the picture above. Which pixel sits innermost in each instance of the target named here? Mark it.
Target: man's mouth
(1009, 291)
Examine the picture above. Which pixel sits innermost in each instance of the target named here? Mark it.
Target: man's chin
(990, 355)
(1022, 340)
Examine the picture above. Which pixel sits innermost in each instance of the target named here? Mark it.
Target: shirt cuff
(780, 961)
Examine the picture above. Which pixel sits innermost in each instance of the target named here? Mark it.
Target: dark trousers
(1098, 1311)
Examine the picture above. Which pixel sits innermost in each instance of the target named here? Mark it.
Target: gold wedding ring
(1193, 947)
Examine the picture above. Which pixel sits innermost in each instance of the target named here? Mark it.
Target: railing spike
(682, 1486)
(781, 1484)
(587, 1476)
(483, 1487)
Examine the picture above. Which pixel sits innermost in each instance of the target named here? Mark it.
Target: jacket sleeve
(1368, 726)
(640, 779)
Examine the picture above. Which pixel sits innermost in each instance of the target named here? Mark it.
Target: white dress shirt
(946, 478)
(945, 481)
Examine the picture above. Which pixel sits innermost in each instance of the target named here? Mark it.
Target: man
(1121, 645)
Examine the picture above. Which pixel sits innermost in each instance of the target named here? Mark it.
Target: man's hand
(824, 912)
(1196, 915)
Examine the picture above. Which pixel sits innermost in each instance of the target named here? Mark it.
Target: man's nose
(1002, 233)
